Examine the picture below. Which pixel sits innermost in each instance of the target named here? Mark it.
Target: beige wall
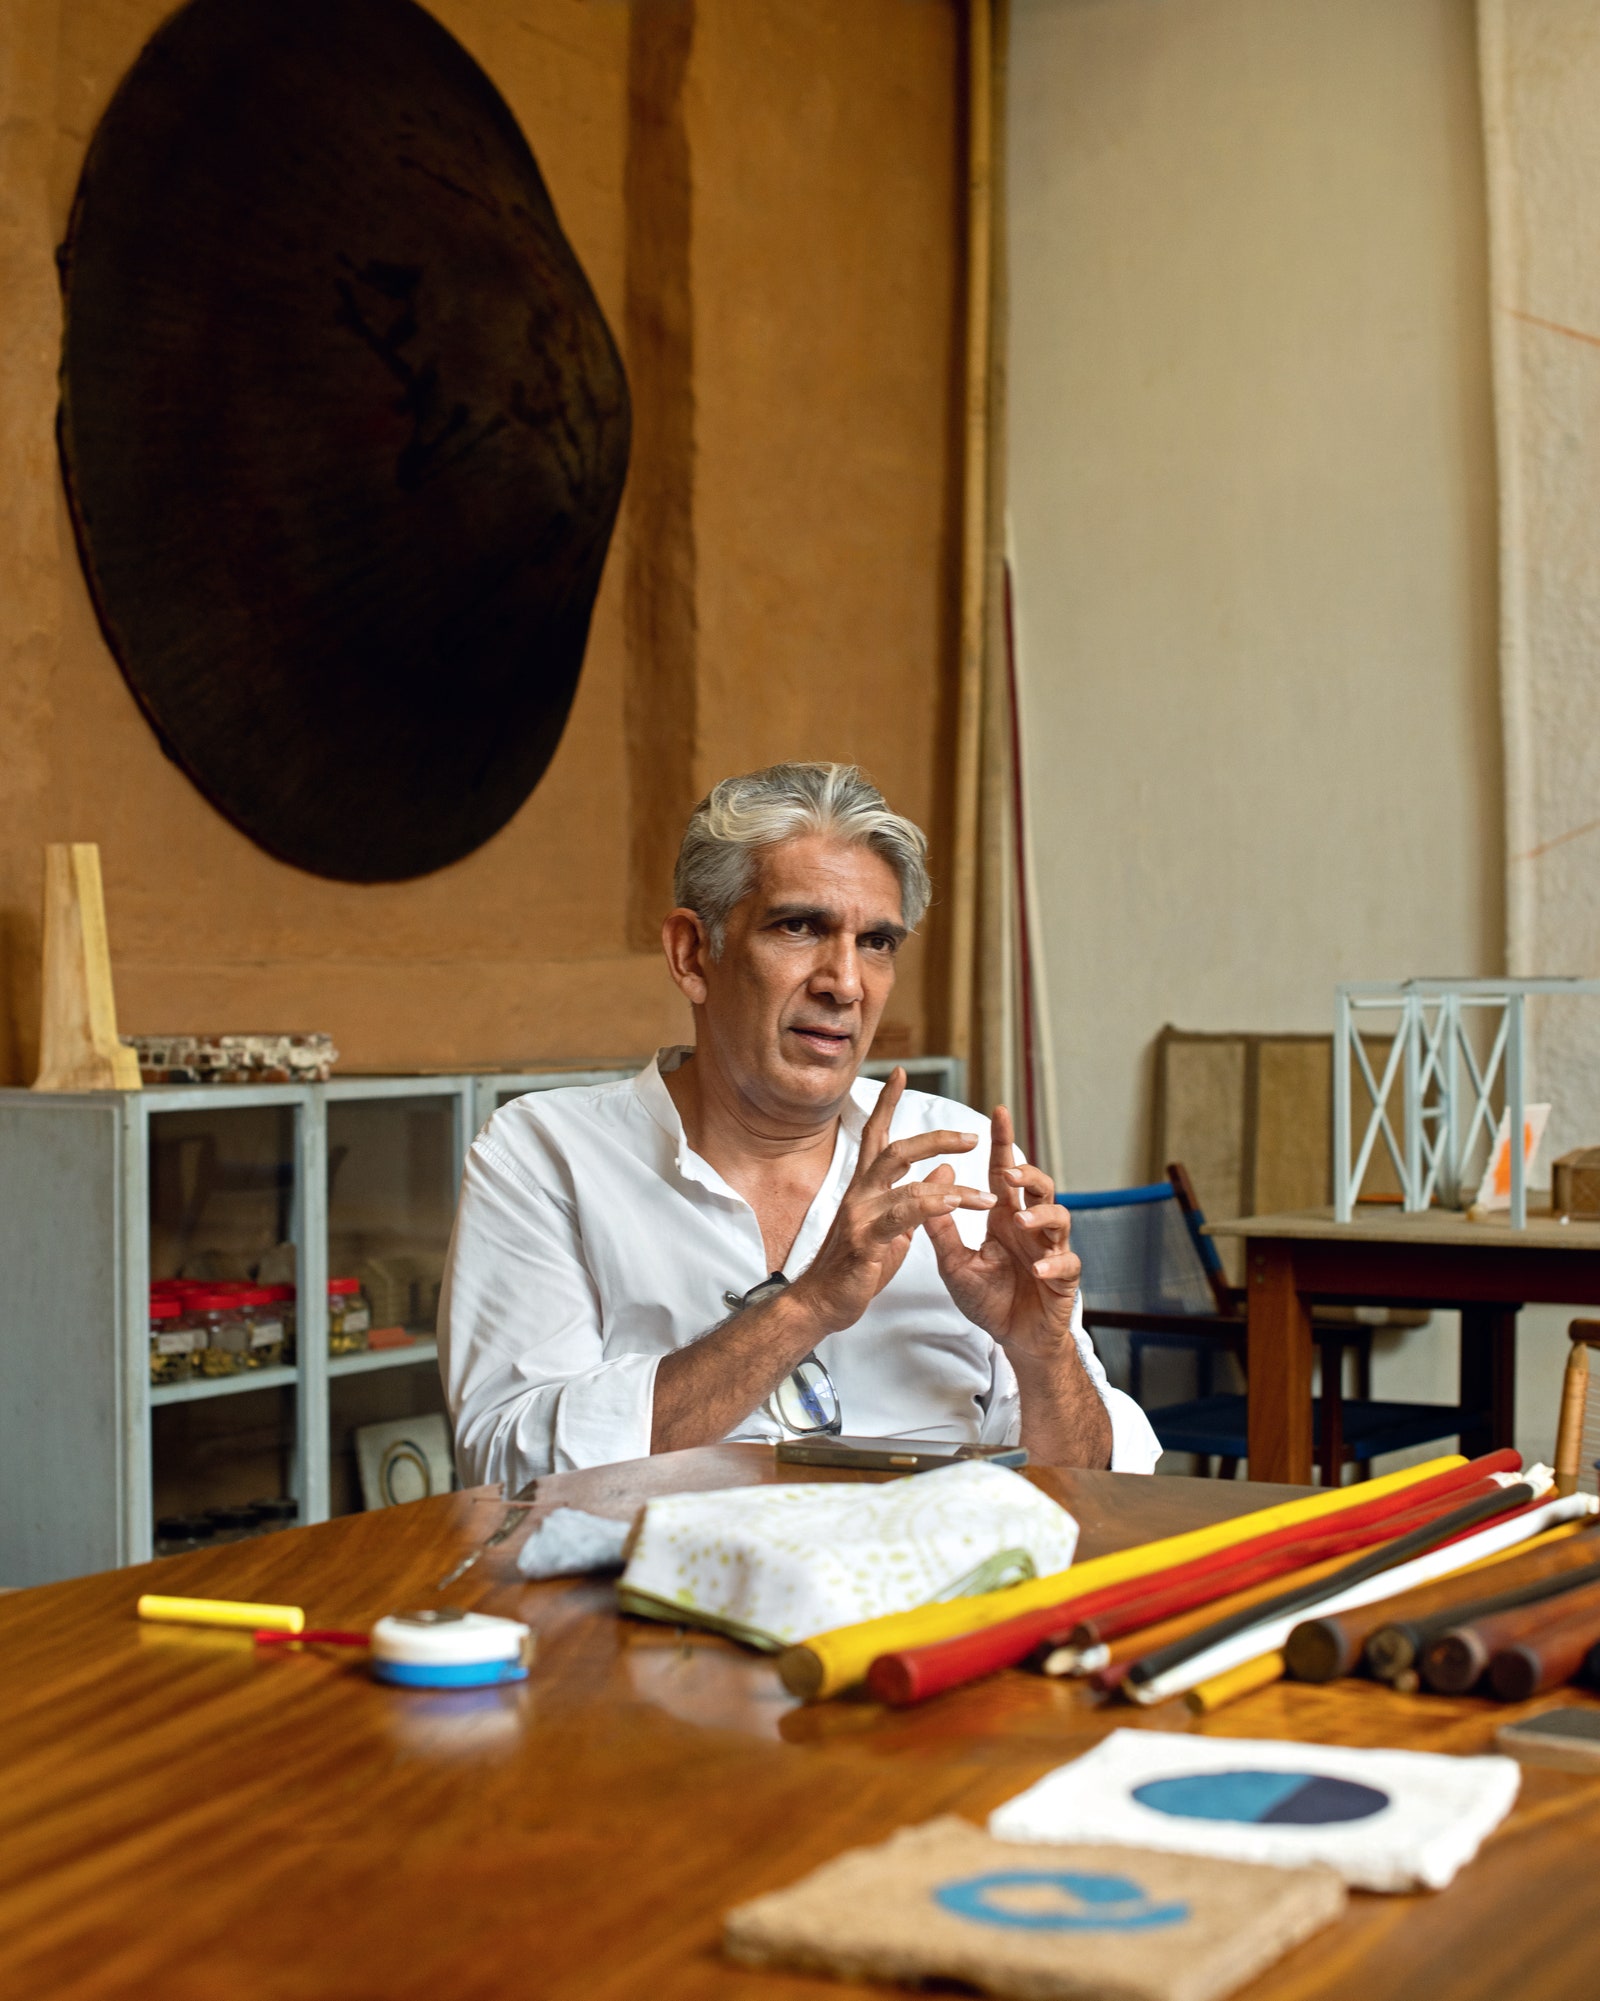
(1252, 482)
(765, 201)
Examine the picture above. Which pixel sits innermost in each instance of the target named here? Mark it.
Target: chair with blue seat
(1150, 1271)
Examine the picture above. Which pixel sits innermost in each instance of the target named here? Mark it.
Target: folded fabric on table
(568, 1543)
(773, 1565)
(1386, 1820)
(943, 1901)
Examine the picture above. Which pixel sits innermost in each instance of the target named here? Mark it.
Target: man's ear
(687, 944)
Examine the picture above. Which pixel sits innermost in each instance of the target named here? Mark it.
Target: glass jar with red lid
(263, 1319)
(218, 1319)
(172, 1341)
(349, 1316)
(282, 1300)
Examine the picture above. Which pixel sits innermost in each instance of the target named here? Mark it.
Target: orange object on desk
(391, 1337)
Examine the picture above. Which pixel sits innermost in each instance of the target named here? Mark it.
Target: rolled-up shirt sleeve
(521, 1350)
(1134, 1445)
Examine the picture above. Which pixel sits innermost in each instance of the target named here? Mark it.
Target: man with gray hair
(748, 1240)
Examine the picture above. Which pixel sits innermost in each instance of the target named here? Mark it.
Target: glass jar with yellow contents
(263, 1319)
(349, 1316)
(282, 1301)
(224, 1334)
(172, 1341)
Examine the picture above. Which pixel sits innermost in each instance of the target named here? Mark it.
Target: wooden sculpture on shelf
(78, 1046)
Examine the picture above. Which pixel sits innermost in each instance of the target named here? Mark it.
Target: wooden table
(184, 1818)
(1437, 1259)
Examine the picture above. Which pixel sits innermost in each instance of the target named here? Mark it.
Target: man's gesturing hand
(1020, 1283)
(873, 1229)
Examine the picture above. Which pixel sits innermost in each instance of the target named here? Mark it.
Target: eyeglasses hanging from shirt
(805, 1404)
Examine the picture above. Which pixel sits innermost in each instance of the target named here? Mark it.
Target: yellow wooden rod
(828, 1662)
(1245, 1679)
(222, 1612)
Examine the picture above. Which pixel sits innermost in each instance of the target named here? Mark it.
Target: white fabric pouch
(774, 1565)
(1386, 1820)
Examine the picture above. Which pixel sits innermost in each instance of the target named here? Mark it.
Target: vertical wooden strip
(661, 708)
(996, 1067)
(1489, 1376)
(974, 537)
(1280, 1352)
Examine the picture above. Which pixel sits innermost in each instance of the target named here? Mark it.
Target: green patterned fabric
(773, 1565)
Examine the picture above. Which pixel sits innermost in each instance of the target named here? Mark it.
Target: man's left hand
(1020, 1284)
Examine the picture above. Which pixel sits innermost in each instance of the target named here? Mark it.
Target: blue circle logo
(1050, 1900)
(1268, 1799)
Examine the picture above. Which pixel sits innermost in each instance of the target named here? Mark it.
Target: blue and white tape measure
(450, 1649)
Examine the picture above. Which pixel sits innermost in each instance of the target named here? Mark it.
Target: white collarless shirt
(591, 1240)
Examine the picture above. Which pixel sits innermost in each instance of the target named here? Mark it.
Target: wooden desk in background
(1385, 1258)
(184, 1818)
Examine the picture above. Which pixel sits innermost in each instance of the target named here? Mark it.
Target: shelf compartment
(382, 1358)
(223, 1386)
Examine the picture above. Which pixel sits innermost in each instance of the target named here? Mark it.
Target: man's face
(807, 964)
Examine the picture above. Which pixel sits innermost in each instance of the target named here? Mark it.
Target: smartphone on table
(895, 1455)
(1566, 1738)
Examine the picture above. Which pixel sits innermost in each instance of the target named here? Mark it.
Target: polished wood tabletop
(1383, 1257)
(1387, 1223)
(186, 1817)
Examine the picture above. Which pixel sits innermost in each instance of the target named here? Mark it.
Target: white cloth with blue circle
(1386, 1820)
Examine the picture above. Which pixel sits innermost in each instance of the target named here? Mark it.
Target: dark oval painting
(343, 429)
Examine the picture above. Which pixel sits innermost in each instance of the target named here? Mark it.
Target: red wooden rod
(1171, 1599)
(329, 1635)
(1534, 1666)
(912, 1674)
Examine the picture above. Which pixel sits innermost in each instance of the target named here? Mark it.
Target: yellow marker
(222, 1612)
(829, 1662)
(1245, 1679)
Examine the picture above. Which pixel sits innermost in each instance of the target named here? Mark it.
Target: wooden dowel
(907, 1674)
(974, 525)
(1569, 1431)
(1408, 1640)
(1245, 1679)
(1447, 1528)
(1169, 1596)
(1159, 1631)
(1457, 1659)
(828, 1663)
(1550, 1656)
(1322, 1648)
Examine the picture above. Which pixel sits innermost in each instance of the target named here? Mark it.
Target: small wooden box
(1575, 1189)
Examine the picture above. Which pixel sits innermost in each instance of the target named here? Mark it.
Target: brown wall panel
(819, 235)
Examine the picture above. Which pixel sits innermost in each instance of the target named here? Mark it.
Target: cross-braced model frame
(1459, 1054)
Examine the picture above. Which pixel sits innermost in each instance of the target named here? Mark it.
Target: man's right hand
(877, 1218)
(704, 1390)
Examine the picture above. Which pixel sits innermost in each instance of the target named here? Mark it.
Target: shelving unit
(383, 1358)
(101, 1191)
(201, 1391)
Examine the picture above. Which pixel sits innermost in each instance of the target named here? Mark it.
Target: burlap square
(1042, 1923)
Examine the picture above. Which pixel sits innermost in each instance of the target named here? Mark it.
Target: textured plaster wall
(800, 406)
(1541, 85)
(1541, 66)
(1252, 483)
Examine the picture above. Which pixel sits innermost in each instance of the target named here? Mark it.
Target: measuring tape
(450, 1649)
